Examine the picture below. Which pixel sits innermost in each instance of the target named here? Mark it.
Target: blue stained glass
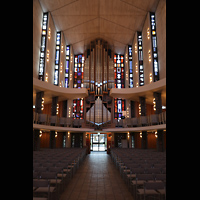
(67, 64)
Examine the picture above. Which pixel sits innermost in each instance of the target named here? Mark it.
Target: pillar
(36, 140)
(158, 101)
(160, 140)
(64, 109)
(52, 141)
(144, 141)
(54, 106)
(38, 102)
(142, 101)
(133, 109)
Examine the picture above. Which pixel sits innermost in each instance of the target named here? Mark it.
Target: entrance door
(98, 142)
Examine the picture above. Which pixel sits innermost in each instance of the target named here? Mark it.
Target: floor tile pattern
(97, 179)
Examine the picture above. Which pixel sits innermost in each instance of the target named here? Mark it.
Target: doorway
(98, 142)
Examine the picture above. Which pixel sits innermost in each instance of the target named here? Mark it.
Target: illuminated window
(78, 108)
(140, 59)
(119, 106)
(57, 59)
(119, 71)
(78, 71)
(43, 47)
(130, 66)
(67, 66)
(154, 47)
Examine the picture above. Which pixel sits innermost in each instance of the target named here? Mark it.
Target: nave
(97, 178)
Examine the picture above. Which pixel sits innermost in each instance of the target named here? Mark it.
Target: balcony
(151, 122)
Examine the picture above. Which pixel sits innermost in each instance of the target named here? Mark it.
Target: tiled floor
(97, 179)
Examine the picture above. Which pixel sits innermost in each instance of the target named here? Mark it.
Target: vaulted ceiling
(115, 21)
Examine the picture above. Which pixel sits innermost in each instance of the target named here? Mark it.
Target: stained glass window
(78, 71)
(130, 66)
(119, 71)
(43, 47)
(119, 106)
(67, 66)
(140, 59)
(57, 59)
(154, 46)
(78, 108)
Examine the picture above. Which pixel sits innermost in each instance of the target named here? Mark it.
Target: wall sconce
(40, 134)
(150, 77)
(68, 134)
(62, 47)
(128, 135)
(139, 109)
(126, 58)
(149, 55)
(148, 33)
(127, 76)
(46, 77)
(136, 68)
(140, 134)
(56, 134)
(154, 104)
(70, 75)
(127, 112)
(69, 112)
(42, 104)
(156, 134)
(48, 55)
(49, 34)
(57, 109)
(137, 84)
(135, 47)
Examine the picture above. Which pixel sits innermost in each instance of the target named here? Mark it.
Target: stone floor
(97, 179)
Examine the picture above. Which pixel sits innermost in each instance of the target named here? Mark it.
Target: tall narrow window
(119, 71)
(119, 106)
(57, 59)
(130, 66)
(43, 47)
(140, 59)
(154, 47)
(67, 66)
(78, 71)
(78, 108)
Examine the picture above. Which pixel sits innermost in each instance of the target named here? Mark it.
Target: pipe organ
(99, 79)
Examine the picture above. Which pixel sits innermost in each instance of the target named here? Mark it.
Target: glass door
(98, 142)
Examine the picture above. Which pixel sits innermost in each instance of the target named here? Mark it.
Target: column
(36, 140)
(132, 109)
(52, 141)
(158, 101)
(64, 109)
(144, 140)
(142, 101)
(54, 106)
(160, 140)
(38, 102)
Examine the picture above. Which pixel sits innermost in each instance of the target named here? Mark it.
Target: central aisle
(97, 178)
